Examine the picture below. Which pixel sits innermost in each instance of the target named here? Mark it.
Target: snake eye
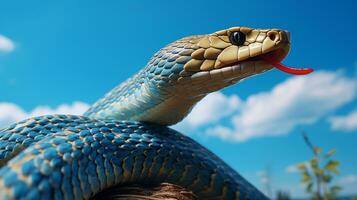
(237, 38)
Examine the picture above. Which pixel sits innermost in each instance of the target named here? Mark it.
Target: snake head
(198, 65)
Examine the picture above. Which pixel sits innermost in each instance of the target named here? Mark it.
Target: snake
(124, 138)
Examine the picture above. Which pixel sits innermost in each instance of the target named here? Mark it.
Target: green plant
(318, 172)
(282, 195)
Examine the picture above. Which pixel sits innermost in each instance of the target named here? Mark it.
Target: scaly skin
(79, 157)
(74, 157)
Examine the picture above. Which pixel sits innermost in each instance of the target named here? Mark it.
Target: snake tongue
(289, 70)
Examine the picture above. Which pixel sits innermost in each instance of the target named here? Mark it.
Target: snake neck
(160, 93)
(145, 99)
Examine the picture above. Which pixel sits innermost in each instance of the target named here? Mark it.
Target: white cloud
(297, 101)
(344, 123)
(6, 44)
(349, 184)
(291, 169)
(10, 113)
(348, 179)
(212, 108)
(76, 108)
(300, 100)
(294, 169)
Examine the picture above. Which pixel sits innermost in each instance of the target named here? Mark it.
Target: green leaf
(318, 171)
(315, 167)
(313, 163)
(326, 178)
(334, 189)
(332, 166)
(330, 153)
(306, 177)
(309, 187)
(301, 167)
(328, 196)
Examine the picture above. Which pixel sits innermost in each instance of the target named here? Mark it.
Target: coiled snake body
(123, 138)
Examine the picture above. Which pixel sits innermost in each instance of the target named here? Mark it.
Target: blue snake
(123, 138)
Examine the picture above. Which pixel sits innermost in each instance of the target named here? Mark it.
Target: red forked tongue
(289, 70)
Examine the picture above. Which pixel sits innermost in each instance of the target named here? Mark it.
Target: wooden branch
(138, 192)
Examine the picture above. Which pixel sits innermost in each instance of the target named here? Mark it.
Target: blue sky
(62, 56)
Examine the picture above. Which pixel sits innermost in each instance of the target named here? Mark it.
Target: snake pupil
(237, 38)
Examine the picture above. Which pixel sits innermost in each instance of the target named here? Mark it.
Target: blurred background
(60, 57)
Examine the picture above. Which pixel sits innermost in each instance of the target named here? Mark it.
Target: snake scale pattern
(124, 138)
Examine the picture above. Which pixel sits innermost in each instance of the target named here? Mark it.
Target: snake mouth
(231, 73)
(273, 59)
(257, 64)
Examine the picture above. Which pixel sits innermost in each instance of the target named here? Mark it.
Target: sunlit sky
(62, 56)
